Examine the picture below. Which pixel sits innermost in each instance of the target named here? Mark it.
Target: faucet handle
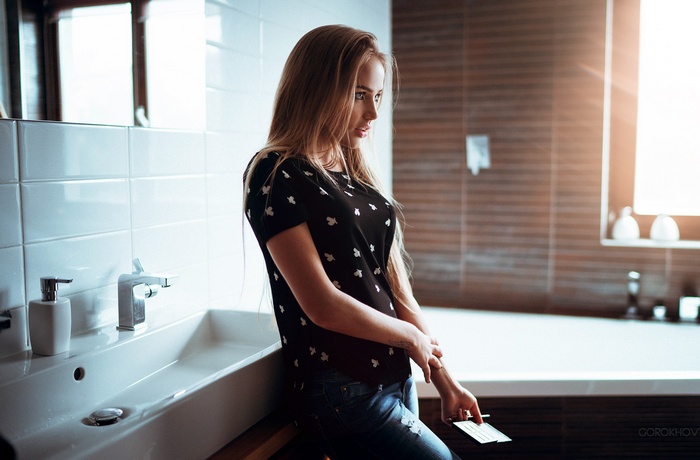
(164, 280)
(138, 267)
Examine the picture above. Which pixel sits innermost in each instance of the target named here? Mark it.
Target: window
(175, 63)
(95, 65)
(668, 118)
(654, 111)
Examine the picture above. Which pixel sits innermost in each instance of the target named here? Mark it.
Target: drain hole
(106, 416)
(79, 374)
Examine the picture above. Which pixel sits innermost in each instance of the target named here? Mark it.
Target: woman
(347, 317)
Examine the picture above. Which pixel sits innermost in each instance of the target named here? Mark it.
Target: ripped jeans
(353, 420)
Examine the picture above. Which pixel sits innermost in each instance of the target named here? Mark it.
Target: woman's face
(368, 93)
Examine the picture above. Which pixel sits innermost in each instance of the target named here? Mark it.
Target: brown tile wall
(523, 235)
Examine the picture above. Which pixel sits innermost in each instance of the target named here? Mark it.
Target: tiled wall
(81, 201)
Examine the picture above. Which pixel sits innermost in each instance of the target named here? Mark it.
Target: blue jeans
(353, 420)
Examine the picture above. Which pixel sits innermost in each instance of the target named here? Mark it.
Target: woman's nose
(371, 113)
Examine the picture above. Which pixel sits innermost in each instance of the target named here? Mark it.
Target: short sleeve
(274, 200)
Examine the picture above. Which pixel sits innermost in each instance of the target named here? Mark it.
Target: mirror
(4, 64)
(119, 62)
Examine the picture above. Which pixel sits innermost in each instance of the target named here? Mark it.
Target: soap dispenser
(50, 319)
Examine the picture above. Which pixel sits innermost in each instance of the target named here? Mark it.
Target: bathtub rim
(508, 383)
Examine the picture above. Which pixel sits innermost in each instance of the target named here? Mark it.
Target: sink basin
(185, 389)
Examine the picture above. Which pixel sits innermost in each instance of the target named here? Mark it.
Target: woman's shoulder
(269, 168)
(261, 165)
(270, 161)
(263, 160)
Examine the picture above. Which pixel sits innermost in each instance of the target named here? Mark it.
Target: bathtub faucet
(632, 296)
(133, 289)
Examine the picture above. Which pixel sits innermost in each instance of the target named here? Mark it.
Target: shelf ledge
(648, 243)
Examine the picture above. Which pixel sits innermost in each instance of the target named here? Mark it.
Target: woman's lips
(362, 132)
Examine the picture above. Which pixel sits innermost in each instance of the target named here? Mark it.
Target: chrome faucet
(133, 289)
(633, 281)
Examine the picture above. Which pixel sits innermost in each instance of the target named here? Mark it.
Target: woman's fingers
(435, 362)
(427, 355)
(426, 373)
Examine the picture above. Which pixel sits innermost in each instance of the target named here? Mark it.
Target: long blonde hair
(313, 106)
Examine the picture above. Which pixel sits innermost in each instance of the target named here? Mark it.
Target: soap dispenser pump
(50, 319)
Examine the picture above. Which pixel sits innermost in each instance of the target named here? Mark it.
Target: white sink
(185, 389)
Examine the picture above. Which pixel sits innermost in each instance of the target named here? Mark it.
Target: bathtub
(496, 354)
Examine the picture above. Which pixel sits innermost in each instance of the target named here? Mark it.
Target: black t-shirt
(352, 227)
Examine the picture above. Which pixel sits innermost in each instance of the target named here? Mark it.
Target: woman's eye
(359, 96)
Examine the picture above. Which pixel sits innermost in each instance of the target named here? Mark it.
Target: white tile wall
(93, 263)
(11, 278)
(60, 209)
(82, 200)
(162, 152)
(10, 229)
(12, 293)
(8, 146)
(168, 200)
(10, 217)
(55, 151)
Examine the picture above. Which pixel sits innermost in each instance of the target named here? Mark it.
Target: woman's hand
(425, 352)
(458, 404)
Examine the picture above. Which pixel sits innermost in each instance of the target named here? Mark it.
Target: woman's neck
(331, 160)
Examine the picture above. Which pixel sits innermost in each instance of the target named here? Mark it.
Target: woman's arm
(456, 400)
(296, 257)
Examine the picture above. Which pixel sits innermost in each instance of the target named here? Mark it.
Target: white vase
(664, 228)
(626, 227)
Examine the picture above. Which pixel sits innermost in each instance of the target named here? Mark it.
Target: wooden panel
(581, 427)
(534, 424)
(428, 43)
(509, 78)
(523, 235)
(632, 427)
